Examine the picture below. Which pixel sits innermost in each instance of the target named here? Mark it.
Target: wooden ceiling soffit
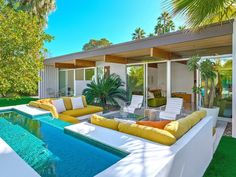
(162, 54)
(64, 65)
(115, 59)
(84, 63)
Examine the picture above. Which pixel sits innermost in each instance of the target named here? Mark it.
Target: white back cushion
(59, 104)
(137, 101)
(77, 102)
(174, 105)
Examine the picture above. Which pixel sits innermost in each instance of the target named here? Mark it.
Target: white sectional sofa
(188, 157)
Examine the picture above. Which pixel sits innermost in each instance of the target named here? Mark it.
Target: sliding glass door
(136, 80)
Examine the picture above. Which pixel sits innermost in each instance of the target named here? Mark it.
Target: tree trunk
(212, 94)
(206, 95)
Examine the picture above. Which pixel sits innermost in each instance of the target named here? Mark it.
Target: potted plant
(207, 91)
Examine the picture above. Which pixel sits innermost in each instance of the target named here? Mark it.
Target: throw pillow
(154, 124)
(77, 102)
(59, 104)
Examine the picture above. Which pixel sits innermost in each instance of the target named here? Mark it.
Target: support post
(168, 74)
(234, 81)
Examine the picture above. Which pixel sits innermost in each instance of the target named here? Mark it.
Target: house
(161, 60)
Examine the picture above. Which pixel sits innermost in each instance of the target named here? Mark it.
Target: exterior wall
(49, 84)
(119, 69)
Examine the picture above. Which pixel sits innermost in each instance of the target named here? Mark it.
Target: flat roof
(212, 39)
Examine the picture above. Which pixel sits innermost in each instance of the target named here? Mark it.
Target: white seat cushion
(77, 102)
(59, 104)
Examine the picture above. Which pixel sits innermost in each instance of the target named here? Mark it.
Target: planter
(214, 112)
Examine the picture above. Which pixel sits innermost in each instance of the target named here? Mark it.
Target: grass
(15, 101)
(224, 160)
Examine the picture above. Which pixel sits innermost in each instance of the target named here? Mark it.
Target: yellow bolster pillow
(149, 133)
(51, 108)
(103, 122)
(68, 118)
(34, 104)
(84, 101)
(67, 103)
(179, 127)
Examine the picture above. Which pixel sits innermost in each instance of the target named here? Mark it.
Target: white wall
(182, 79)
(49, 84)
(80, 86)
(119, 69)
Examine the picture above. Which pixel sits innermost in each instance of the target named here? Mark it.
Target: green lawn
(224, 160)
(16, 101)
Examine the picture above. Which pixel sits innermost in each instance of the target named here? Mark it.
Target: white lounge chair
(136, 103)
(172, 110)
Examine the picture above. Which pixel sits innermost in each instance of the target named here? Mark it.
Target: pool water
(43, 144)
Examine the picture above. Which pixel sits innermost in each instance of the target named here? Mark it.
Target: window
(89, 73)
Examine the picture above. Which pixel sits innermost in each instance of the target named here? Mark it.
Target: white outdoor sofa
(188, 157)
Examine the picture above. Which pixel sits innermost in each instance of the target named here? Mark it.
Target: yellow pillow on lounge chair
(104, 122)
(34, 104)
(68, 118)
(51, 108)
(149, 133)
(179, 127)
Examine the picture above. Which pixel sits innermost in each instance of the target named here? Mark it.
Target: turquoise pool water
(43, 144)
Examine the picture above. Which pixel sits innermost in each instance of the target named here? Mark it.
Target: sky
(75, 22)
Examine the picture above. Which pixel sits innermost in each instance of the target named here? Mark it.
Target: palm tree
(105, 91)
(182, 27)
(164, 24)
(138, 34)
(200, 13)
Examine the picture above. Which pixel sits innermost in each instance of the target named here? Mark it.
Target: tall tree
(138, 34)
(22, 51)
(39, 8)
(164, 24)
(202, 12)
(94, 44)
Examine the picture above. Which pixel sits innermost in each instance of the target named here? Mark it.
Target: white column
(168, 77)
(234, 81)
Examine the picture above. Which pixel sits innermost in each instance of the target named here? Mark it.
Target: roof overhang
(215, 39)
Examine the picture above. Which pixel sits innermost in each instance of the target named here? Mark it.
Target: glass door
(136, 80)
(62, 83)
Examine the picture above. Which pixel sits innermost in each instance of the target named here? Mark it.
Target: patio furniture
(158, 99)
(172, 109)
(152, 114)
(136, 103)
(124, 116)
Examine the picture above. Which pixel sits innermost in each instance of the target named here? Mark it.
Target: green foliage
(39, 8)
(164, 24)
(138, 34)
(202, 12)
(22, 51)
(94, 44)
(182, 27)
(135, 79)
(208, 75)
(105, 91)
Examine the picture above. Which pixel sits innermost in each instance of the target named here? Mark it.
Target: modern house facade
(152, 64)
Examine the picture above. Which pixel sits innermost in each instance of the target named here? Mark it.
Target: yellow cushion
(51, 108)
(83, 111)
(103, 122)
(149, 133)
(45, 101)
(34, 104)
(69, 119)
(67, 103)
(179, 127)
(84, 101)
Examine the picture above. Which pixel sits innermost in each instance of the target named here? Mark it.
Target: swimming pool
(43, 144)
